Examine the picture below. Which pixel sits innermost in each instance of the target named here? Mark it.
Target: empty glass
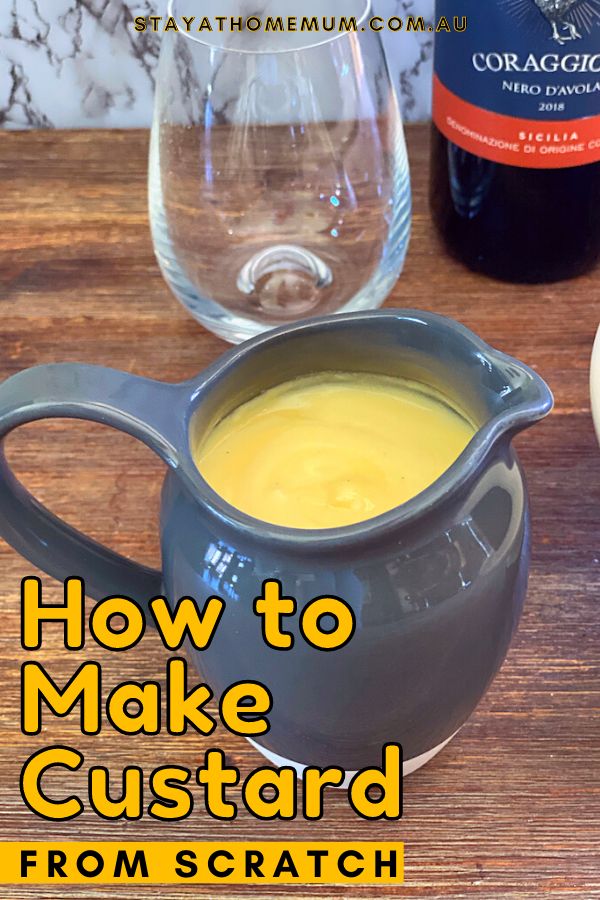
(279, 183)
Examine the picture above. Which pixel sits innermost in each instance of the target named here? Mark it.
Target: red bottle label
(521, 84)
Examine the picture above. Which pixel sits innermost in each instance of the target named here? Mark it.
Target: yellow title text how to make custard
(173, 706)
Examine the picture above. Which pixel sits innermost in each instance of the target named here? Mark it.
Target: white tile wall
(79, 63)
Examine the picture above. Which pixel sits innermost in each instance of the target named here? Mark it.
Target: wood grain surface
(512, 808)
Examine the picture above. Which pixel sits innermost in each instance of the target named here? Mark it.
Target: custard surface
(331, 450)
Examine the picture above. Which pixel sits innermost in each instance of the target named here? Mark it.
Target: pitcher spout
(523, 397)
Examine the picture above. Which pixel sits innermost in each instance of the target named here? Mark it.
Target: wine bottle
(515, 186)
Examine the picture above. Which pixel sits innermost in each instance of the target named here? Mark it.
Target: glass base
(284, 283)
(236, 329)
(285, 279)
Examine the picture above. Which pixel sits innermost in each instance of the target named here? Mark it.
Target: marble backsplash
(79, 63)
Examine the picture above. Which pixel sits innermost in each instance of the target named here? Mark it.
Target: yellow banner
(168, 862)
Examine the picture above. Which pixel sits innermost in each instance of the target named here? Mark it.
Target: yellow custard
(332, 449)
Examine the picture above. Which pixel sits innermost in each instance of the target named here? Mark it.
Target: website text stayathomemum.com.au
(283, 24)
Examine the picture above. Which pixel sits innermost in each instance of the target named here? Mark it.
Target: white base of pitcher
(409, 766)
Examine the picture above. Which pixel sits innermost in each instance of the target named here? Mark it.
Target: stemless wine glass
(279, 182)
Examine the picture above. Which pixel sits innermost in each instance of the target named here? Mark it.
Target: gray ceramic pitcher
(436, 585)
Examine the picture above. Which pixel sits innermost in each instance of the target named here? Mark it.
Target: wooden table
(512, 808)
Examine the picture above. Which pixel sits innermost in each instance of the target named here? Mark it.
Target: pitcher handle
(150, 411)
